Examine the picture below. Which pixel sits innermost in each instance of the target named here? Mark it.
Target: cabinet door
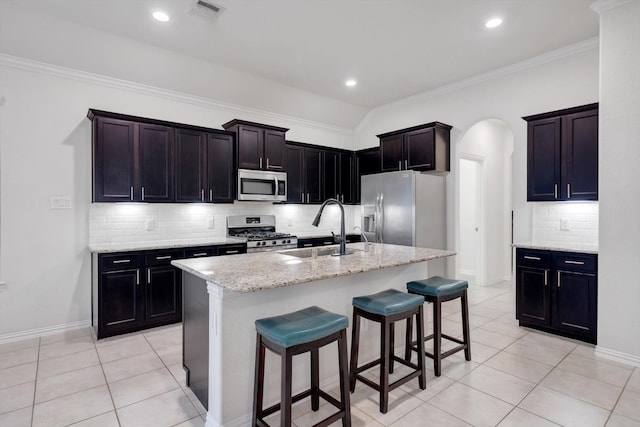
(330, 174)
(113, 160)
(190, 166)
(250, 147)
(575, 303)
(273, 150)
(543, 159)
(295, 178)
(580, 156)
(367, 162)
(121, 302)
(347, 178)
(155, 148)
(391, 153)
(313, 175)
(533, 304)
(220, 179)
(163, 294)
(420, 150)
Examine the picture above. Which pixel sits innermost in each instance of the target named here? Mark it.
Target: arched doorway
(484, 203)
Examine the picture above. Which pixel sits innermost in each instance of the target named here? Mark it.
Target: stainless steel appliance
(406, 208)
(262, 185)
(260, 233)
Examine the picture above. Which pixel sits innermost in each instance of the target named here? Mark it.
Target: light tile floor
(518, 377)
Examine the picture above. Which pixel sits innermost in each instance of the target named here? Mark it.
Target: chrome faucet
(338, 239)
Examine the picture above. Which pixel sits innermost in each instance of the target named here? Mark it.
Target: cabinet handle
(307, 197)
(546, 277)
(131, 193)
(302, 197)
(267, 163)
(260, 162)
(210, 195)
(164, 257)
(399, 165)
(406, 164)
(142, 193)
(532, 258)
(558, 279)
(555, 191)
(568, 191)
(327, 243)
(138, 277)
(121, 261)
(148, 275)
(199, 254)
(342, 198)
(231, 252)
(574, 262)
(202, 194)
(306, 245)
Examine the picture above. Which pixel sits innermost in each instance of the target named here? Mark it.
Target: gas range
(260, 233)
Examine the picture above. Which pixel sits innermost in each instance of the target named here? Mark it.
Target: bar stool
(294, 333)
(386, 308)
(437, 290)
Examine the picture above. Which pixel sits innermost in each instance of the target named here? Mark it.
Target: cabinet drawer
(201, 251)
(533, 258)
(568, 261)
(120, 261)
(305, 243)
(232, 249)
(162, 257)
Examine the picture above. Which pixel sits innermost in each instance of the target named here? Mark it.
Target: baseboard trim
(49, 330)
(617, 356)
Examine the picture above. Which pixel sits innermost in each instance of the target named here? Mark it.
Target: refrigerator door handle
(377, 219)
(381, 217)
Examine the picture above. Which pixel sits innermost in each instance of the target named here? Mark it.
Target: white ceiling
(394, 48)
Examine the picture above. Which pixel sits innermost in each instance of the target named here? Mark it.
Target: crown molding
(536, 61)
(601, 6)
(114, 83)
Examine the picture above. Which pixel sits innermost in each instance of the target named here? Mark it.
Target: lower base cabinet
(557, 292)
(139, 290)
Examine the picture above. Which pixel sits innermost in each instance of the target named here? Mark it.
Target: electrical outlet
(289, 222)
(3, 286)
(210, 223)
(61, 202)
(565, 224)
(149, 224)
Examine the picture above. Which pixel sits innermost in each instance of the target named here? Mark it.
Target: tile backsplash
(147, 222)
(565, 223)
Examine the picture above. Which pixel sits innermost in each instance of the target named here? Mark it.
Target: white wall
(467, 250)
(619, 157)
(45, 151)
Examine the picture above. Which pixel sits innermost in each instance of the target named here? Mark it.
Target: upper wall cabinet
(146, 160)
(422, 148)
(259, 146)
(562, 154)
(367, 162)
(132, 161)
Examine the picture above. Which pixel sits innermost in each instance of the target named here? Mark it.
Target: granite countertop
(162, 244)
(266, 270)
(578, 247)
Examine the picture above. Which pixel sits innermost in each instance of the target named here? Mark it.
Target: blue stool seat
(437, 286)
(301, 326)
(388, 302)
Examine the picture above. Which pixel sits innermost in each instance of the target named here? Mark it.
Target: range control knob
(274, 242)
(264, 243)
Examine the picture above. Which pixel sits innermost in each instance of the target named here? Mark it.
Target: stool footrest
(326, 396)
(397, 383)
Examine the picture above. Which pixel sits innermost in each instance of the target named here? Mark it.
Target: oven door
(262, 186)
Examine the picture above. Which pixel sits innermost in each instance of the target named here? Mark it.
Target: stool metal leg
(258, 383)
(343, 369)
(437, 335)
(465, 326)
(355, 341)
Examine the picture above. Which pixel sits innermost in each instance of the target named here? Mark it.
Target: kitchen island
(223, 296)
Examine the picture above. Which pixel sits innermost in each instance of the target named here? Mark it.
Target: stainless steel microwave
(262, 185)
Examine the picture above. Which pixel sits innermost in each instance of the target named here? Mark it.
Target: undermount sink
(309, 252)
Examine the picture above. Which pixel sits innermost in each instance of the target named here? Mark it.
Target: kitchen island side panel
(232, 336)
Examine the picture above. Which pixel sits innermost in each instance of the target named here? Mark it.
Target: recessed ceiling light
(494, 22)
(351, 82)
(161, 16)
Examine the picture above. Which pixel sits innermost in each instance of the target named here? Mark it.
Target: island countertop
(267, 270)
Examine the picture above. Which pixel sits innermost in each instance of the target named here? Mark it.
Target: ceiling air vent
(206, 9)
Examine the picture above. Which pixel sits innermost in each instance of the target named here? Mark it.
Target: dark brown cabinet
(132, 161)
(367, 162)
(557, 292)
(338, 173)
(204, 166)
(304, 173)
(562, 155)
(423, 148)
(260, 146)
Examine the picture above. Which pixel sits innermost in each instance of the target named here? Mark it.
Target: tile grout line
(115, 411)
(35, 383)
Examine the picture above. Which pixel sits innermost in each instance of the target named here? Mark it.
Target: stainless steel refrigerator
(406, 208)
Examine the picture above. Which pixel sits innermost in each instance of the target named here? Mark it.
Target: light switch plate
(3, 286)
(60, 202)
(210, 223)
(149, 224)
